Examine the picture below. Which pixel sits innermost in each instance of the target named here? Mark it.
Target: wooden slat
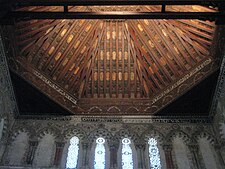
(163, 54)
(169, 46)
(105, 53)
(153, 55)
(128, 65)
(139, 57)
(82, 66)
(94, 54)
(117, 58)
(76, 53)
(62, 42)
(110, 58)
(46, 63)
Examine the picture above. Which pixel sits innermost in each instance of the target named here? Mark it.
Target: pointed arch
(17, 149)
(72, 156)
(46, 142)
(154, 155)
(127, 159)
(100, 138)
(100, 154)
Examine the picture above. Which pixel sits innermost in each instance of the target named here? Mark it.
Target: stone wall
(8, 106)
(34, 143)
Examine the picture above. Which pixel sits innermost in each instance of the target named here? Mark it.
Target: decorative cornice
(124, 119)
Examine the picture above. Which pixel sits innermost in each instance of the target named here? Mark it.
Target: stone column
(140, 148)
(194, 149)
(58, 153)
(86, 147)
(113, 148)
(31, 151)
(168, 155)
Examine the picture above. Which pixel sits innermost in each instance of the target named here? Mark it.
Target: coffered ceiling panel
(113, 67)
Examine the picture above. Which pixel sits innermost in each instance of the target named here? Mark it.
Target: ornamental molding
(124, 119)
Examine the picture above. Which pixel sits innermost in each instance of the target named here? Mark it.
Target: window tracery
(99, 162)
(127, 160)
(154, 155)
(73, 150)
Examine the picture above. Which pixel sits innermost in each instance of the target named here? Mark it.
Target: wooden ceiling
(110, 67)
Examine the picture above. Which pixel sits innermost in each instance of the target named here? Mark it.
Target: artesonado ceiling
(113, 67)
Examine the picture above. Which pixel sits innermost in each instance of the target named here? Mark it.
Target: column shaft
(58, 153)
(31, 151)
(168, 156)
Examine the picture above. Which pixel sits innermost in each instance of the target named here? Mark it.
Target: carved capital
(85, 145)
(114, 146)
(167, 147)
(60, 144)
(140, 146)
(33, 143)
(193, 147)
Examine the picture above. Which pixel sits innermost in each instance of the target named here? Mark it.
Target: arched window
(99, 162)
(154, 155)
(127, 160)
(72, 157)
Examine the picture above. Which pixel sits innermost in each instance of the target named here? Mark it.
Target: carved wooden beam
(112, 2)
(26, 15)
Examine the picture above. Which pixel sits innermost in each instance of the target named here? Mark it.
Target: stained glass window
(72, 157)
(154, 155)
(99, 162)
(127, 160)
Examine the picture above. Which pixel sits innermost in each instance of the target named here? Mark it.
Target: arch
(46, 148)
(154, 154)
(125, 132)
(72, 155)
(48, 130)
(21, 129)
(100, 154)
(18, 149)
(132, 109)
(66, 149)
(134, 138)
(204, 134)
(151, 132)
(127, 154)
(73, 131)
(113, 109)
(182, 88)
(206, 143)
(181, 152)
(197, 77)
(95, 109)
(178, 133)
(100, 132)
